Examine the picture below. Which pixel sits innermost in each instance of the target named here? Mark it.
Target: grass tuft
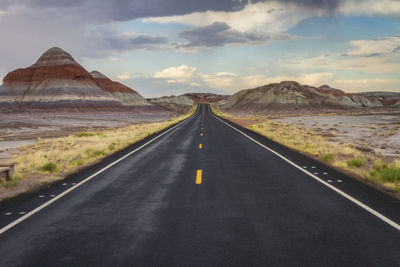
(328, 157)
(84, 134)
(385, 172)
(48, 167)
(356, 162)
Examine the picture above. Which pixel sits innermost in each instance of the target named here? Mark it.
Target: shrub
(356, 162)
(12, 182)
(386, 173)
(83, 134)
(78, 162)
(48, 167)
(328, 157)
(99, 153)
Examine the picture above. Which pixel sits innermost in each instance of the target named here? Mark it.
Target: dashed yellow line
(200, 146)
(198, 177)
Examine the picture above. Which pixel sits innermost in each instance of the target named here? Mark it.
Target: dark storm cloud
(220, 34)
(110, 38)
(122, 10)
(328, 5)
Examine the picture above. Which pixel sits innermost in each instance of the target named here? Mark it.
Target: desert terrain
(377, 131)
(23, 128)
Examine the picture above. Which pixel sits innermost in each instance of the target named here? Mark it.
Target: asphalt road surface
(227, 202)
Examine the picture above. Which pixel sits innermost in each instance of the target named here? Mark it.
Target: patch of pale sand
(244, 122)
(381, 132)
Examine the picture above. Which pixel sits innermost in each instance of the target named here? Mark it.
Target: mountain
(387, 99)
(206, 97)
(180, 103)
(292, 95)
(56, 80)
(124, 94)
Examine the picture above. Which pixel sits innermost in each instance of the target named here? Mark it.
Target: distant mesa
(292, 95)
(206, 97)
(124, 94)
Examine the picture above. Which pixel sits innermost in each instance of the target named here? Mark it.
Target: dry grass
(54, 158)
(347, 156)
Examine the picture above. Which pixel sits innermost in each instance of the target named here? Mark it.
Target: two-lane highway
(205, 194)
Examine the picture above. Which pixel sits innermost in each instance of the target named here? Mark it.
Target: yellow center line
(200, 146)
(198, 177)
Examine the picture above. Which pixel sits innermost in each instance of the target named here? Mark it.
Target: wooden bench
(6, 170)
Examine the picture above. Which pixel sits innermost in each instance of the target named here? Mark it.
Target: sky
(170, 47)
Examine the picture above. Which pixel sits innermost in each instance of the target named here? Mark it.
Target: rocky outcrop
(179, 104)
(351, 100)
(55, 80)
(292, 95)
(206, 97)
(124, 94)
(178, 100)
(387, 99)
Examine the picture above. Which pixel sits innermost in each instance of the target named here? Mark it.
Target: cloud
(354, 86)
(234, 83)
(281, 15)
(220, 34)
(155, 87)
(110, 38)
(182, 74)
(269, 16)
(370, 8)
(124, 76)
(375, 47)
(124, 10)
(367, 56)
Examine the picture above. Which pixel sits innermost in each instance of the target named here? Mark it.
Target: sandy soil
(20, 129)
(244, 122)
(380, 132)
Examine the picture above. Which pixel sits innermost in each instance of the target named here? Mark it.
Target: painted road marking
(22, 213)
(41, 196)
(64, 184)
(52, 195)
(198, 177)
(339, 181)
(44, 205)
(340, 192)
(8, 213)
(325, 173)
(200, 146)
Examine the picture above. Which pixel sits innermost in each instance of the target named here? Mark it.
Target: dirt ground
(20, 129)
(378, 131)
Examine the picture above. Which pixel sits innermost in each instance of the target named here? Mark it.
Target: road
(229, 202)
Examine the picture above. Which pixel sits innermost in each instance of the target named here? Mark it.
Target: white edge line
(44, 205)
(352, 199)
